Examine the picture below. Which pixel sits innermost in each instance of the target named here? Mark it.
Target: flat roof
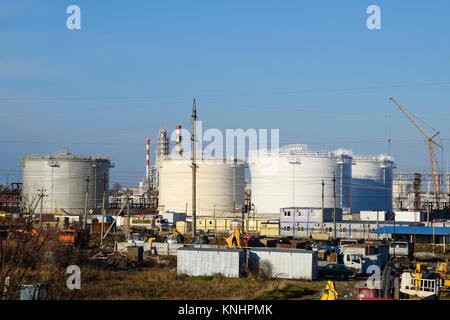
(420, 230)
(283, 250)
(210, 249)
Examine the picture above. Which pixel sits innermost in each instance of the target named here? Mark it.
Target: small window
(220, 223)
(199, 221)
(210, 222)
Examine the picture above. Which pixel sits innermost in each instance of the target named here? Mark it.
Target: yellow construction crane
(431, 146)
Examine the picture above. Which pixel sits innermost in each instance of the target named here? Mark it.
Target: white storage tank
(210, 262)
(292, 177)
(63, 177)
(220, 186)
(285, 263)
(372, 183)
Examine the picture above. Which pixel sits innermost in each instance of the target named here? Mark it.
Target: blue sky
(310, 68)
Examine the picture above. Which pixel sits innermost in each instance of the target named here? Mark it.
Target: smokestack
(147, 166)
(179, 149)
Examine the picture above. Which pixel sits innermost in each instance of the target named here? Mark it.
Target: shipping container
(286, 263)
(210, 262)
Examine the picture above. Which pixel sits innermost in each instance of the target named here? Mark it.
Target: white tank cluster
(220, 186)
(292, 177)
(372, 183)
(63, 176)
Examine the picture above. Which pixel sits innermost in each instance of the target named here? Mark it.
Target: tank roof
(65, 155)
(299, 149)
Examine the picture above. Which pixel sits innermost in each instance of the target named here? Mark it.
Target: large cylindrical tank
(63, 176)
(292, 177)
(220, 186)
(372, 183)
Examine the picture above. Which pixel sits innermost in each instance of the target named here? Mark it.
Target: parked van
(399, 249)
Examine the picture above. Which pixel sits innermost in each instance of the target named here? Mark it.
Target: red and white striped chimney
(178, 132)
(147, 165)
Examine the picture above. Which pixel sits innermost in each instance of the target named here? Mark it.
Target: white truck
(361, 257)
(361, 263)
(399, 249)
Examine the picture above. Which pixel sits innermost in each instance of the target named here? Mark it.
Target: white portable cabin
(287, 263)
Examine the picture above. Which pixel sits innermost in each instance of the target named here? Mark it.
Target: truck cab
(361, 263)
(399, 249)
(75, 237)
(162, 224)
(364, 293)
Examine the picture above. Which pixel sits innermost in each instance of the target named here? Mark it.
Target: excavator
(238, 239)
(175, 237)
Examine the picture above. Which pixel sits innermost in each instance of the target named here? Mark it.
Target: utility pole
(128, 215)
(415, 234)
(215, 221)
(41, 199)
(194, 171)
(334, 203)
(103, 209)
(323, 204)
(86, 203)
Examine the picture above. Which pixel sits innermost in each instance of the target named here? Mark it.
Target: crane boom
(431, 146)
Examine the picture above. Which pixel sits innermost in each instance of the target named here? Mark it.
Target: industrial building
(65, 182)
(292, 176)
(344, 229)
(417, 234)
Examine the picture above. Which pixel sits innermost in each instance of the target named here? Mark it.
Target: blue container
(34, 291)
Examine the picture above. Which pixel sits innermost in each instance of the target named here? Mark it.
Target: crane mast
(431, 146)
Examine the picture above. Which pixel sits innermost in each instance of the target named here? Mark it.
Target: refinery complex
(307, 213)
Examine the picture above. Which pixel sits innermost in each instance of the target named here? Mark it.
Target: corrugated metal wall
(209, 262)
(290, 264)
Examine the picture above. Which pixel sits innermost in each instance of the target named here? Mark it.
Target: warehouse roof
(419, 230)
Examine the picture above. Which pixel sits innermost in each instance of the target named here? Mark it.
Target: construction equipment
(175, 237)
(234, 240)
(365, 293)
(431, 146)
(238, 239)
(444, 273)
(330, 292)
(75, 237)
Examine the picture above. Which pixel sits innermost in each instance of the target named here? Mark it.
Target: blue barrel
(34, 291)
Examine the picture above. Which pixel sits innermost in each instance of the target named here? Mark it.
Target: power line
(429, 84)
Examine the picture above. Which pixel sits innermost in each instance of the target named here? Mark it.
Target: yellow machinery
(234, 240)
(421, 268)
(444, 273)
(431, 146)
(175, 232)
(330, 292)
